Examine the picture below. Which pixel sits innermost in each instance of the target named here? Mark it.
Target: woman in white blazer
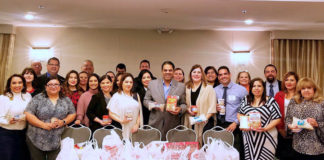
(200, 97)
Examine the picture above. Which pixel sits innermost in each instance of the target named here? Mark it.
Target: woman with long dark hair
(30, 76)
(260, 141)
(98, 105)
(85, 98)
(71, 87)
(12, 119)
(144, 77)
(212, 76)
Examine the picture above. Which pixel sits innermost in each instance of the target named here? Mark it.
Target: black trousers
(299, 156)
(284, 149)
(13, 145)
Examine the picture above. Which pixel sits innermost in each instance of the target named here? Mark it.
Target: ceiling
(174, 14)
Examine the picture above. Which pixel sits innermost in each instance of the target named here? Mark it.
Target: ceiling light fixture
(29, 16)
(248, 21)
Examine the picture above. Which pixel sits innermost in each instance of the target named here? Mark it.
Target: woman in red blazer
(284, 150)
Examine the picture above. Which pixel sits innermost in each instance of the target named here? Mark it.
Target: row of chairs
(147, 134)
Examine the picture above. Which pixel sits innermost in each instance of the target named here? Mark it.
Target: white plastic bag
(155, 149)
(112, 144)
(219, 150)
(67, 150)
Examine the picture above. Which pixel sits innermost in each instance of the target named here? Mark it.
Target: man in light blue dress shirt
(234, 95)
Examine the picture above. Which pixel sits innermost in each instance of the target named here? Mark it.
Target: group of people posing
(35, 107)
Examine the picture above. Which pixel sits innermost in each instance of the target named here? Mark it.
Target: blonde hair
(306, 83)
(189, 84)
(239, 74)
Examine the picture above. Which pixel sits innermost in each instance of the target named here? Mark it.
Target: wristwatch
(64, 122)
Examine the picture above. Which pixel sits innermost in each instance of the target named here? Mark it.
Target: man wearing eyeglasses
(53, 67)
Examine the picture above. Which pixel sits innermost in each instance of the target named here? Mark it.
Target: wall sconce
(241, 57)
(41, 53)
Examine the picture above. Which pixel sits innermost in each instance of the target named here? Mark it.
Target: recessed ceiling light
(41, 7)
(248, 21)
(29, 16)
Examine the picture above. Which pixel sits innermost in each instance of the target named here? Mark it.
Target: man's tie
(222, 117)
(271, 93)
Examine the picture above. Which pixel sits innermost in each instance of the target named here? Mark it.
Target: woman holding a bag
(125, 107)
(260, 139)
(47, 114)
(308, 105)
(12, 119)
(201, 100)
(97, 108)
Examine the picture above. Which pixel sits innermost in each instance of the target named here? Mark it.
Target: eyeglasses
(56, 65)
(53, 85)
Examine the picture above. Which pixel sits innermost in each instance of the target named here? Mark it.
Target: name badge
(231, 98)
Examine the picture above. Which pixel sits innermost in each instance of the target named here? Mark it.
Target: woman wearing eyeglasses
(47, 114)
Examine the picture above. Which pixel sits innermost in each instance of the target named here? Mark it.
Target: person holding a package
(12, 119)
(97, 110)
(258, 117)
(229, 96)
(201, 102)
(168, 92)
(125, 107)
(47, 114)
(305, 115)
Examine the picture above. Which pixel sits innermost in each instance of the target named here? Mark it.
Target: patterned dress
(306, 141)
(261, 145)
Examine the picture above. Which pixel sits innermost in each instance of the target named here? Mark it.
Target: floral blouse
(306, 141)
(44, 110)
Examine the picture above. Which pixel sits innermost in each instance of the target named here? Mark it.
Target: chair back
(79, 133)
(146, 134)
(100, 133)
(181, 134)
(219, 133)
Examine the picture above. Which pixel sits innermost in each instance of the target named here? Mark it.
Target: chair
(100, 134)
(219, 133)
(181, 134)
(79, 133)
(146, 134)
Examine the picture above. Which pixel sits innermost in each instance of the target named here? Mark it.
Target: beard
(270, 79)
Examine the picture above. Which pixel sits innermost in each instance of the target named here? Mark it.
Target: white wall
(107, 47)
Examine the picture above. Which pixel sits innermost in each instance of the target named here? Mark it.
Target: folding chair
(219, 133)
(100, 134)
(146, 134)
(181, 134)
(79, 133)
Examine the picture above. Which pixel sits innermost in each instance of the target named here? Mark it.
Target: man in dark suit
(157, 92)
(272, 84)
(53, 67)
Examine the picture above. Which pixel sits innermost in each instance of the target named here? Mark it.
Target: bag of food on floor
(219, 150)
(67, 150)
(155, 149)
(199, 154)
(140, 152)
(112, 144)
